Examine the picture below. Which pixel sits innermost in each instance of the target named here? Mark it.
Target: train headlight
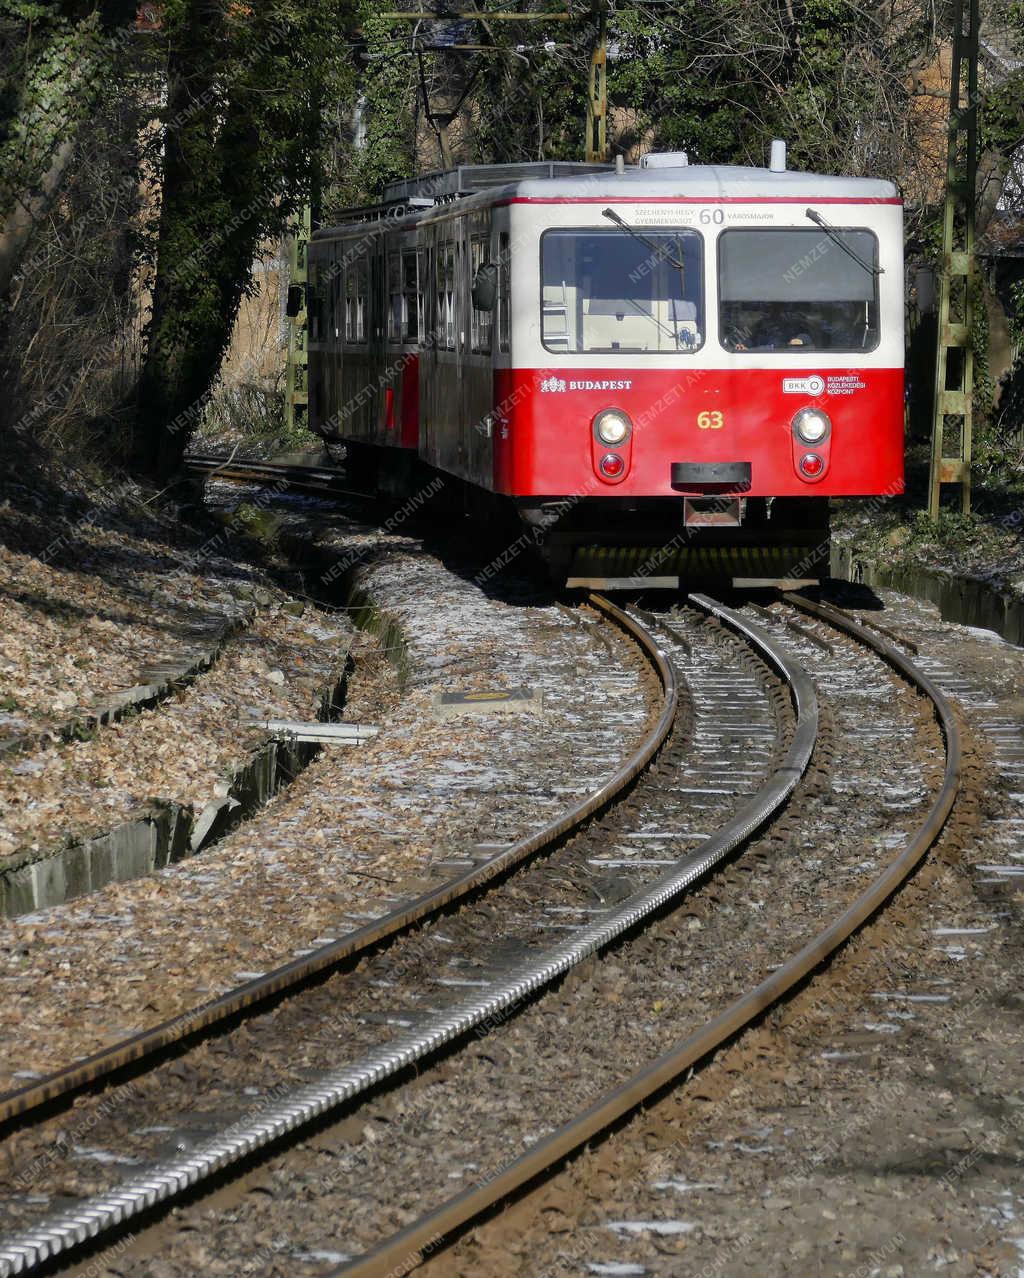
(612, 427)
(812, 425)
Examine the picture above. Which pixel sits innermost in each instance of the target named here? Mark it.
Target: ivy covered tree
(55, 60)
(375, 139)
(241, 146)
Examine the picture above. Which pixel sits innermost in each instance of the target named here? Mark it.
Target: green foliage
(1016, 314)
(1002, 118)
(950, 527)
(719, 79)
(387, 94)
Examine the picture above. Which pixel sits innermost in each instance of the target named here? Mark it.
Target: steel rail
(215, 465)
(319, 479)
(58, 1234)
(407, 1249)
(290, 976)
(214, 461)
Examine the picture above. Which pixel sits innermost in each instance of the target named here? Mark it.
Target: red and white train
(667, 369)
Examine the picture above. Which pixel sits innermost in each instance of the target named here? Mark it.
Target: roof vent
(777, 159)
(665, 160)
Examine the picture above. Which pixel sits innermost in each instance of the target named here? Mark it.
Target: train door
(478, 399)
(431, 341)
(334, 296)
(400, 405)
(408, 408)
(449, 384)
(459, 424)
(502, 378)
(375, 335)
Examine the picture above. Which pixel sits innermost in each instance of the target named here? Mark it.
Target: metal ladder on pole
(952, 421)
(296, 392)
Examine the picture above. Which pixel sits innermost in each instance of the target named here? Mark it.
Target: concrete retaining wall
(966, 600)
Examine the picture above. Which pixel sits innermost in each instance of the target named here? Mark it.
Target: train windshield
(604, 291)
(793, 290)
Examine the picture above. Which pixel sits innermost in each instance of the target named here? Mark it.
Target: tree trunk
(175, 373)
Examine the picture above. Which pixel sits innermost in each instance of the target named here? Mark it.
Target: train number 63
(710, 420)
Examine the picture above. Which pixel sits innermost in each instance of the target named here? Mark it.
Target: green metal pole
(597, 96)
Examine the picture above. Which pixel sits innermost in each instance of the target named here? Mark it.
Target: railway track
(325, 481)
(417, 1241)
(755, 716)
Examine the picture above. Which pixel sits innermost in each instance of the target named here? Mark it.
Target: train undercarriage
(608, 543)
(669, 541)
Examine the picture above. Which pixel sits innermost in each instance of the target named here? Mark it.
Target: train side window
(362, 274)
(504, 292)
(439, 295)
(446, 295)
(427, 305)
(396, 299)
(460, 300)
(334, 299)
(787, 290)
(410, 297)
(481, 322)
(350, 300)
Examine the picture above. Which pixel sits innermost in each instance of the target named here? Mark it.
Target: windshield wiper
(663, 256)
(833, 234)
(656, 249)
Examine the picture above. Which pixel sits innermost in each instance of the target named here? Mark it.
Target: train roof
(711, 180)
(475, 186)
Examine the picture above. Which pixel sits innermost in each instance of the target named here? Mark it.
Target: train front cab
(681, 402)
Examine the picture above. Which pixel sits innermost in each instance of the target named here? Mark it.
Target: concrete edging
(166, 833)
(968, 601)
(158, 682)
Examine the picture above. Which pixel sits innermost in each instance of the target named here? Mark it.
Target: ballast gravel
(355, 829)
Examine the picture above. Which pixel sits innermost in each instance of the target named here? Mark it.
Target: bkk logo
(812, 385)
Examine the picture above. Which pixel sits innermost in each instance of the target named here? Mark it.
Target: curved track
(326, 481)
(60, 1235)
(406, 1249)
